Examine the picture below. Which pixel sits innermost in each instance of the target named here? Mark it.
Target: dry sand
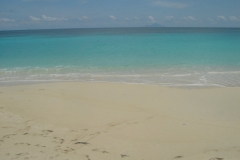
(110, 121)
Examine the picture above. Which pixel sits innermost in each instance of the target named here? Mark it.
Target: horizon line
(110, 28)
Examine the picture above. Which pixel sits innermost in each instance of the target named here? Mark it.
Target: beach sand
(110, 121)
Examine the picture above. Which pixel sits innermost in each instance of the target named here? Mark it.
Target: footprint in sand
(7, 127)
(26, 129)
(66, 151)
(124, 156)
(85, 143)
(47, 131)
(73, 130)
(7, 154)
(212, 150)
(216, 158)
(26, 144)
(74, 140)
(59, 141)
(178, 157)
(22, 154)
(88, 157)
(8, 136)
(38, 145)
(100, 150)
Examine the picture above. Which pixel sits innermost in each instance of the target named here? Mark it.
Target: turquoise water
(163, 56)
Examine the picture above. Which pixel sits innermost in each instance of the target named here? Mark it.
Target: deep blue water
(165, 56)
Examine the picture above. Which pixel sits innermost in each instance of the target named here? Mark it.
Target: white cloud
(6, 20)
(189, 18)
(34, 18)
(151, 18)
(136, 18)
(112, 17)
(83, 18)
(46, 18)
(233, 18)
(222, 18)
(52, 18)
(127, 18)
(169, 4)
(169, 18)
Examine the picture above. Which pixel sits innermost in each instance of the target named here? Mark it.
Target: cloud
(83, 18)
(6, 20)
(151, 18)
(127, 18)
(233, 18)
(222, 18)
(169, 4)
(136, 18)
(112, 17)
(189, 18)
(169, 18)
(46, 18)
(34, 18)
(52, 18)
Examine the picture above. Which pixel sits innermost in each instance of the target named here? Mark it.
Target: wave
(158, 76)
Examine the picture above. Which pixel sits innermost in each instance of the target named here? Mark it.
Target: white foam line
(228, 72)
(158, 84)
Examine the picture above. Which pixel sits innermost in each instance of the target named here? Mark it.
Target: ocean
(159, 56)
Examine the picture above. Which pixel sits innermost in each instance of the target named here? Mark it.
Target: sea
(159, 56)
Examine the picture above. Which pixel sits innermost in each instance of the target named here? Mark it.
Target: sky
(50, 14)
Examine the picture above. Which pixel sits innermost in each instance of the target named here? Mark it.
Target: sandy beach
(108, 121)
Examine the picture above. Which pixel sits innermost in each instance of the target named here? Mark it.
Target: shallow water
(163, 56)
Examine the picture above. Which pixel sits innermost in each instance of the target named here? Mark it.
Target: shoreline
(183, 76)
(102, 120)
(19, 83)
